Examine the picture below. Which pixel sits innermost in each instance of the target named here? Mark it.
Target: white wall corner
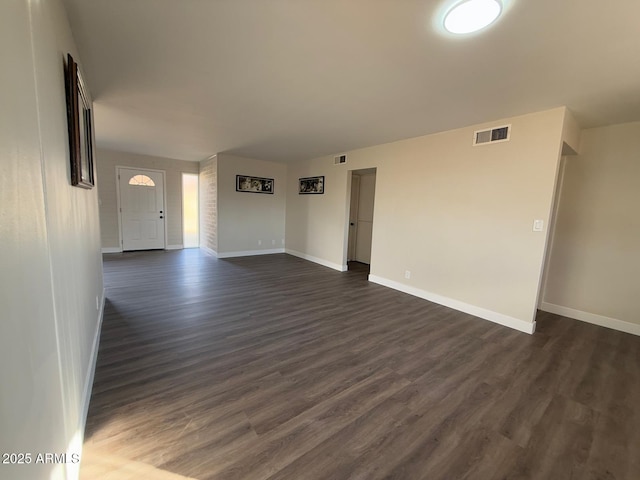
(250, 253)
(209, 251)
(495, 317)
(595, 319)
(174, 247)
(320, 261)
(571, 133)
(112, 250)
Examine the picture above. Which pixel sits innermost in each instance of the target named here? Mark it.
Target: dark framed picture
(79, 120)
(245, 183)
(311, 186)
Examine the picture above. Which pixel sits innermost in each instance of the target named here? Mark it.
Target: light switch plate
(538, 225)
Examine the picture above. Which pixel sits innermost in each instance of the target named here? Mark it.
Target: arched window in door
(141, 180)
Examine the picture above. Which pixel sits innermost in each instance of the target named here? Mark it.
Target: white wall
(595, 258)
(51, 264)
(250, 223)
(107, 162)
(458, 217)
(316, 224)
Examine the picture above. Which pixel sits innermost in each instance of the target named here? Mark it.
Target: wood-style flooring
(273, 367)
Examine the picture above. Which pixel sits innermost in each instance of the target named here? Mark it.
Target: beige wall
(595, 256)
(458, 217)
(209, 204)
(107, 162)
(571, 132)
(250, 222)
(50, 262)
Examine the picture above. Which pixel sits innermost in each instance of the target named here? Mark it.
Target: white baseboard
(250, 253)
(88, 382)
(209, 251)
(320, 261)
(495, 317)
(174, 247)
(112, 250)
(594, 318)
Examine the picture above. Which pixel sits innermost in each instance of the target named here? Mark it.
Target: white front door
(142, 209)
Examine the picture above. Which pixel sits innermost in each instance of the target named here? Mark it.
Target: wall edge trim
(88, 386)
(593, 318)
(495, 317)
(319, 261)
(111, 250)
(174, 247)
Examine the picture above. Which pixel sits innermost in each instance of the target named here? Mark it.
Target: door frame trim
(347, 209)
(164, 201)
(375, 179)
(355, 229)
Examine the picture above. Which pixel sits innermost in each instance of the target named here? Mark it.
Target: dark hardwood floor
(272, 367)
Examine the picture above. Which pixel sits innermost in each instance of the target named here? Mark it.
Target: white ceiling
(289, 80)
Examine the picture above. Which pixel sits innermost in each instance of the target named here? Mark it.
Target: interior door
(353, 217)
(141, 209)
(365, 218)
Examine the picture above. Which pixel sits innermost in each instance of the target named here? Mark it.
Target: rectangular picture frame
(80, 127)
(250, 184)
(311, 185)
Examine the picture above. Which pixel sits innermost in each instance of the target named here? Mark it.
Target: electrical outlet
(97, 302)
(538, 225)
(259, 242)
(407, 274)
(273, 242)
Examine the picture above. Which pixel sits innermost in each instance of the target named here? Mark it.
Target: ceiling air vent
(492, 135)
(340, 159)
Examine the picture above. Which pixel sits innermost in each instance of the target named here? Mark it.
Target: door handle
(161, 216)
(352, 224)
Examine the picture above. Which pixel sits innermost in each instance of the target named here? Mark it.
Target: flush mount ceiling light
(472, 15)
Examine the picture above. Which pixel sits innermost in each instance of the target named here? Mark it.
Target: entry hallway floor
(273, 367)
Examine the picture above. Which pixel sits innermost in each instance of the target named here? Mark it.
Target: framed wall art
(80, 124)
(311, 186)
(246, 183)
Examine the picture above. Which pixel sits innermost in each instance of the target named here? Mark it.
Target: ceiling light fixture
(472, 15)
